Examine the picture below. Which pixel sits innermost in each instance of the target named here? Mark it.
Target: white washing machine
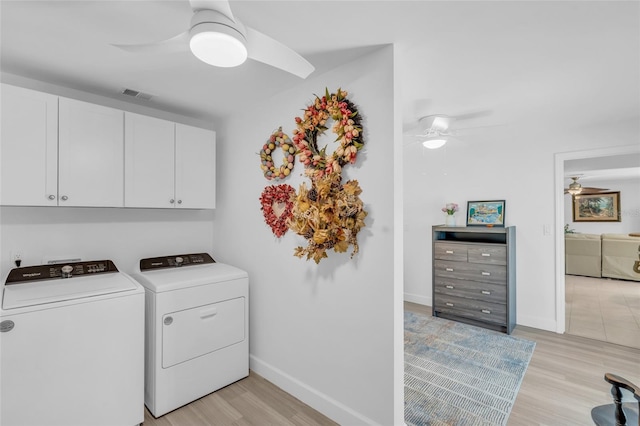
(197, 328)
(71, 346)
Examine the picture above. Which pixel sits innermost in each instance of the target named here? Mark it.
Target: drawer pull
(486, 311)
(486, 292)
(486, 274)
(449, 286)
(486, 254)
(208, 313)
(449, 251)
(449, 304)
(449, 269)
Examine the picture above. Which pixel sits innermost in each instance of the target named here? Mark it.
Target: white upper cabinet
(148, 161)
(168, 165)
(28, 148)
(56, 151)
(195, 168)
(90, 155)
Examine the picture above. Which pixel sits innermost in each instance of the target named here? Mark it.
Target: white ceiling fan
(218, 38)
(434, 130)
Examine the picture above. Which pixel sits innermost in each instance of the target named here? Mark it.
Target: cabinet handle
(449, 269)
(449, 251)
(486, 274)
(172, 201)
(486, 254)
(64, 198)
(449, 304)
(485, 292)
(449, 286)
(51, 197)
(179, 201)
(486, 311)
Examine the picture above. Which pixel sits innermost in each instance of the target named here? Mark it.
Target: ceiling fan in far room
(575, 188)
(218, 38)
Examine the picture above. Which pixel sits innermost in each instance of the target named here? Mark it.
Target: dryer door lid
(48, 291)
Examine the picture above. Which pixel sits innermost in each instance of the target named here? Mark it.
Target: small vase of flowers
(450, 209)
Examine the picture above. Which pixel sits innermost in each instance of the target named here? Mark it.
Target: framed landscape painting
(602, 207)
(485, 213)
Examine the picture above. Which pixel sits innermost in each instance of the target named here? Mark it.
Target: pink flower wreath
(347, 127)
(277, 207)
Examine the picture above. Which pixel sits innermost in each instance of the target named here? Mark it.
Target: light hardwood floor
(251, 401)
(563, 382)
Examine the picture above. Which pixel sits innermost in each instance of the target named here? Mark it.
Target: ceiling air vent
(136, 94)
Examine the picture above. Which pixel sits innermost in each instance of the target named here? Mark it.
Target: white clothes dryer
(71, 346)
(197, 335)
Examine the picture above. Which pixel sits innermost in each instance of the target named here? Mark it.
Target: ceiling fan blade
(178, 43)
(588, 191)
(473, 114)
(263, 48)
(591, 190)
(221, 6)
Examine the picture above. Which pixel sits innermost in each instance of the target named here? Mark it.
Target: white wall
(122, 235)
(515, 164)
(324, 333)
(629, 208)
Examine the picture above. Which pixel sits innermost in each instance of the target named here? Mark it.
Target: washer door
(198, 331)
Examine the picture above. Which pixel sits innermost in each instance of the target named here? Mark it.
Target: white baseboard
(417, 298)
(331, 408)
(536, 322)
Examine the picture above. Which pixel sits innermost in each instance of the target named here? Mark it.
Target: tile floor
(603, 309)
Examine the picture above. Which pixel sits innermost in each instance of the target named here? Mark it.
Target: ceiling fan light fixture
(217, 41)
(574, 191)
(574, 188)
(435, 142)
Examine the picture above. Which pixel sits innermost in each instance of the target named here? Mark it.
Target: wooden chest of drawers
(474, 276)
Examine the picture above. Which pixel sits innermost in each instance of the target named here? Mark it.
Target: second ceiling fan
(575, 188)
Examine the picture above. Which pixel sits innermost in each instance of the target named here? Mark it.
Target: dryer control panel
(175, 261)
(60, 270)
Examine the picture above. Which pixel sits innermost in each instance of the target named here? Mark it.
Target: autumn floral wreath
(346, 126)
(278, 139)
(277, 206)
(329, 215)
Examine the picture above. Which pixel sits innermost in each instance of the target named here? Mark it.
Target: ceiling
(548, 64)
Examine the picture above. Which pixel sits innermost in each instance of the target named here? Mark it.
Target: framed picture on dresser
(485, 213)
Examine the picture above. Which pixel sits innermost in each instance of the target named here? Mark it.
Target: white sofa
(620, 252)
(583, 255)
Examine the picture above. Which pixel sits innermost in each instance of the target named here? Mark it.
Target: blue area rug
(458, 374)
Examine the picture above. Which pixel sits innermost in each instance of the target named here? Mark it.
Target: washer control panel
(175, 261)
(60, 270)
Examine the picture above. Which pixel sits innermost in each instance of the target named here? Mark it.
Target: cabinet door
(90, 155)
(28, 148)
(149, 161)
(195, 168)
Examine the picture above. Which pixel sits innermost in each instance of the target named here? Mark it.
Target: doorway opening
(561, 160)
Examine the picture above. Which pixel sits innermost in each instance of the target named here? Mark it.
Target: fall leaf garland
(329, 214)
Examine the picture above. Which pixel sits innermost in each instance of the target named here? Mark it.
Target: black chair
(619, 413)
